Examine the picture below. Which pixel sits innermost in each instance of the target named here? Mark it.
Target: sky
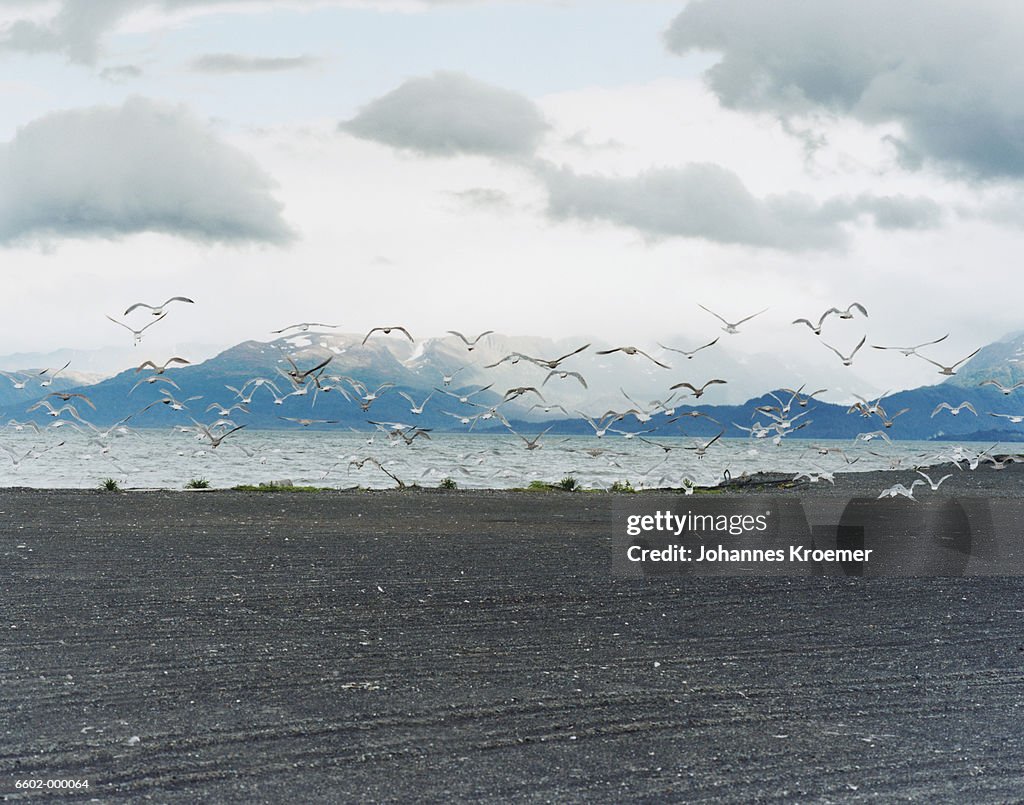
(552, 168)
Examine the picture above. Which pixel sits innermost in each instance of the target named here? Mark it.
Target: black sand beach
(269, 647)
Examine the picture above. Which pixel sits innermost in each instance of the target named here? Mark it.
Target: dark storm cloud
(948, 71)
(141, 167)
(448, 114)
(709, 202)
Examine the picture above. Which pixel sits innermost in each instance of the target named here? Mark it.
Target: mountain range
(418, 369)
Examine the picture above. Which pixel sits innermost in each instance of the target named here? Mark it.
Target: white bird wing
(121, 323)
(836, 351)
(570, 354)
(719, 436)
(653, 360)
(159, 318)
(936, 341)
(933, 363)
(748, 318)
(964, 360)
(712, 313)
(826, 314)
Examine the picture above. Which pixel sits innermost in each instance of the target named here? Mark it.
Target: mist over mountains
(418, 369)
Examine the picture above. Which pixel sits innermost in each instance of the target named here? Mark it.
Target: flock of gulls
(675, 459)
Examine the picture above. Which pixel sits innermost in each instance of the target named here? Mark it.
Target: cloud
(448, 114)
(77, 29)
(121, 72)
(886, 212)
(236, 63)
(710, 202)
(141, 167)
(948, 71)
(484, 198)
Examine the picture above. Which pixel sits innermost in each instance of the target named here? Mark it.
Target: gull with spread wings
(816, 328)
(689, 353)
(908, 351)
(1006, 390)
(158, 310)
(701, 448)
(515, 357)
(731, 327)
(847, 359)
(564, 375)
(954, 410)
(161, 369)
(387, 331)
(632, 351)
(948, 370)
(303, 327)
(848, 313)
(470, 343)
(697, 391)
(137, 334)
(298, 375)
(215, 439)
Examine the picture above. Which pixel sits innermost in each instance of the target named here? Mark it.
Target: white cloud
(104, 171)
(76, 28)
(240, 63)
(121, 72)
(448, 114)
(710, 202)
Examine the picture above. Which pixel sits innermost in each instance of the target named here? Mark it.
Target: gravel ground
(403, 646)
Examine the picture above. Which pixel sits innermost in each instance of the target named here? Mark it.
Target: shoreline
(985, 481)
(454, 645)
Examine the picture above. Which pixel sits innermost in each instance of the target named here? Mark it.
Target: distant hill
(96, 363)
(13, 401)
(418, 369)
(1002, 361)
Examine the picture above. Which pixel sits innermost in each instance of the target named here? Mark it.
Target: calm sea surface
(168, 460)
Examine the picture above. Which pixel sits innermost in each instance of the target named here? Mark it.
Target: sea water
(169, 460)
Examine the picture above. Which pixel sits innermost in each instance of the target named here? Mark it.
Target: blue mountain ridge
(376, 364)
